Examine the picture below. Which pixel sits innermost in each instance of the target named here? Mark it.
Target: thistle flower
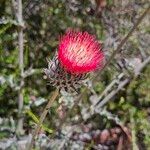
(79, 52)
(61, 79)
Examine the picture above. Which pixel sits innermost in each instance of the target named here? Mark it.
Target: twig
(21, 65)
(123, 84)
(109, 87)
(138, 70)
(14, 8)
(113, 93)
(31, 71)
(109, 115)
(133, 131)
(43, 115)
(123, 41)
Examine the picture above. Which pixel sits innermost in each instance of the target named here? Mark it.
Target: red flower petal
(79, 52)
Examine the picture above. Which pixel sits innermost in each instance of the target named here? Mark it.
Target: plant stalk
(21, 65)
(42, 118)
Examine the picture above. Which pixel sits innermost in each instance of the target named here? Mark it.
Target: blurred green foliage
(45, 21)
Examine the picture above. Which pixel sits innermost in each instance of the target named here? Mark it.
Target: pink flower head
(79, 52)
